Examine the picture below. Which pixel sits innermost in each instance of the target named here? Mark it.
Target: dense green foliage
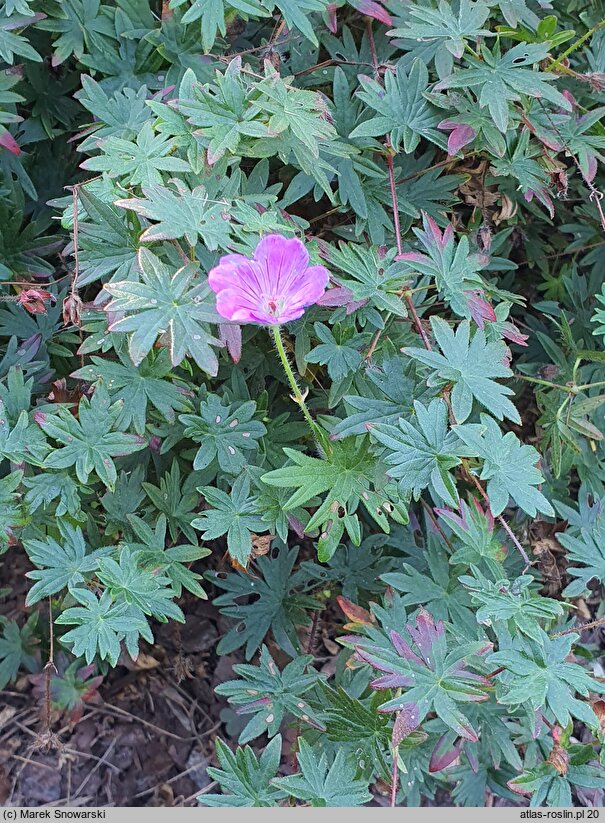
(443, 161)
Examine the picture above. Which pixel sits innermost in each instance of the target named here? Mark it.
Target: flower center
(274, 306)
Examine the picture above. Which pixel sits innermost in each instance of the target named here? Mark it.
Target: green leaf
(12, 513)
(337, 351)
(153, 556)
(245, 778)
(23, 442)
(422, 456)
(168, 305)
(279, 605)
(444, 25)
(17, 647)
(325, 784)
(175, 503)
(471, 366)
(89, 442)
(101, 625)
(270, 694)
(585, 556)
(509, 467)
(135, 387)
(347, 475)
(188, 213)
(451, 266)
(537, 673)
(141, 161)
(80, 24)
(234, 515)
(145, 589)
(60, 564)
(501, 80)
(512, 602)
(372, 275)
(227, 433)
(432, 677)
(402, 110)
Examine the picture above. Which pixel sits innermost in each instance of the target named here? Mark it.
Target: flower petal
(281, 259)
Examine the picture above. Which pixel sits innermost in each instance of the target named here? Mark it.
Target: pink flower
(272, 288)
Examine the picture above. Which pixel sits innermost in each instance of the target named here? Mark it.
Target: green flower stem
(297, 396)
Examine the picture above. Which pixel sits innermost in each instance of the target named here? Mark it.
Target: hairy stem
(297, 395)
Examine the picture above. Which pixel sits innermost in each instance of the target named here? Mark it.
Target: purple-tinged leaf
(461, 135)
(231, 335)
(403, 648)
(444, 755)
(479, 308)
(372, 9)
(425, 634)
(8, 142)
(406, 721)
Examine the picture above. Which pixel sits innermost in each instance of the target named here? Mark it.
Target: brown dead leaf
(261, 543)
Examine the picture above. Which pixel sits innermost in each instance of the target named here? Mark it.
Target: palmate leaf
(432, 677)
(450, 264)
(270, 694)
(339, 351)
(359, 722)
(17, 648)
(124, 499)
(166, 304)
(421, 455)
(279, 607)
(370, 275)
(175, 502)
(322, 783)
(137, 387)
(509, 467)
(14, 45)
(140, 160)
(146, 590)
(12, 513)
(106, 244)
(444, 25)
(89, 442)
(212, 13)
(80, 24)
(21, 443)
(60, 564)
(474, 528)
(388, 393)
(100, 625)
(246, 778)
(537, 673)
(512, 602)
(235, 515)
(586, 557)
(187, 213)
(348, 477)
(471, 366)
(227, 433)
(43, 489)
(500, 80)
(174, 561)
(436, 588)
(402, 110)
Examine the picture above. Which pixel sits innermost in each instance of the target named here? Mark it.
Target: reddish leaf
(443, 756)
(406, 721)
(356, 614)
(372, 9)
